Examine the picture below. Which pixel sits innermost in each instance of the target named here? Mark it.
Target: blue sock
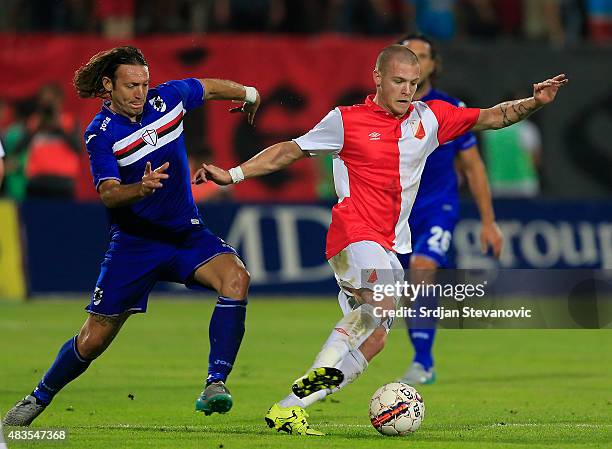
(422, 331)
(225, 334)
(422, 341)
(68, 365)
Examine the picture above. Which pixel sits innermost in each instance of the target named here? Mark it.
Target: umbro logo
(158, 104)
(374, 136)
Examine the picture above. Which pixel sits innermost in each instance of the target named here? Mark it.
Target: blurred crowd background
(561, 22)
(39, 129)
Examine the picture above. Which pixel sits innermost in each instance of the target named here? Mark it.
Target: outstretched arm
(215, 89)
(273, 158)
(511, 112)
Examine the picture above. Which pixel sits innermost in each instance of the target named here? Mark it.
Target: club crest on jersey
(97, 296)
(150, 137)
(158, 104)
(417, 128)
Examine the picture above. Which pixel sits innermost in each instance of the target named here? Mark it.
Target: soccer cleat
(215, 398)
(418, 375)
(24, 412)
(317, 379)
(291, 420)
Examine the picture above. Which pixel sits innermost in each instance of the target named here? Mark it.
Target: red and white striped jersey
(378, 162)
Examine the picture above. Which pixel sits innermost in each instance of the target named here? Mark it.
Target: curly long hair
(88, 78)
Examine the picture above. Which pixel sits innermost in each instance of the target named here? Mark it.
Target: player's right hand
(491, 237)
(250, 109)
(209, 172)
(151, 179)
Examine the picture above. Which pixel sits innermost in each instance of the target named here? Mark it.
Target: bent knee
(380, 336)
(90, 346)
(97, 334)
(374, 343)
(422, 263)
(235, 283)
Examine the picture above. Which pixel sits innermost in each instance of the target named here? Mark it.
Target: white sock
(352, 365)
(292, 400)
(348, 334)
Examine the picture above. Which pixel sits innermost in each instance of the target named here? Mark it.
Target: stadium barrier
(12, 282)
(283, 244)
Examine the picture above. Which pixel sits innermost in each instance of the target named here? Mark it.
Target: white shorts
(363, 265)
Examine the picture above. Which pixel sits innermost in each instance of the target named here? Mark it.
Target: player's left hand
(248, 108)
(491, 236)
(545, 92)
(209, 172)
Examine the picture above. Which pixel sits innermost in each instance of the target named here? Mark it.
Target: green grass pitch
(496, 389)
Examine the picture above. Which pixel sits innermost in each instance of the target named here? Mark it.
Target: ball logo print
(396, 409)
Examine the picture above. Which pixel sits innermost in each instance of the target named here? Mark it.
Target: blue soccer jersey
(435, 212)
(439, 180)
(119, 149)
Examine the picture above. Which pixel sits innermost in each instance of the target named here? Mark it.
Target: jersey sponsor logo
(105, 123)
(91, 136)
(150, 137)
(158, 104)
(374, 136)
(97, 296)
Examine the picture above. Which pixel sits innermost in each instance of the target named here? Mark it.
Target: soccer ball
(396, 409)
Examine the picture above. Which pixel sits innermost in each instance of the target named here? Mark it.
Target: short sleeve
(190, 90)
(452, 121)
(101, 159)
(466, 141)
(325, 138)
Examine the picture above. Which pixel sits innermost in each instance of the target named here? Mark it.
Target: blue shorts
(132, 265)
(431, 232)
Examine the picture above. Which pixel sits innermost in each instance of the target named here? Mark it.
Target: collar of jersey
(369, 101)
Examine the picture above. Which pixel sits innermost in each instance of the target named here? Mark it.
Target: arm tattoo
(515, 111)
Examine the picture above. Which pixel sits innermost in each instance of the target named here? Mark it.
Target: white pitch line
(589, 425)
(339, 425)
